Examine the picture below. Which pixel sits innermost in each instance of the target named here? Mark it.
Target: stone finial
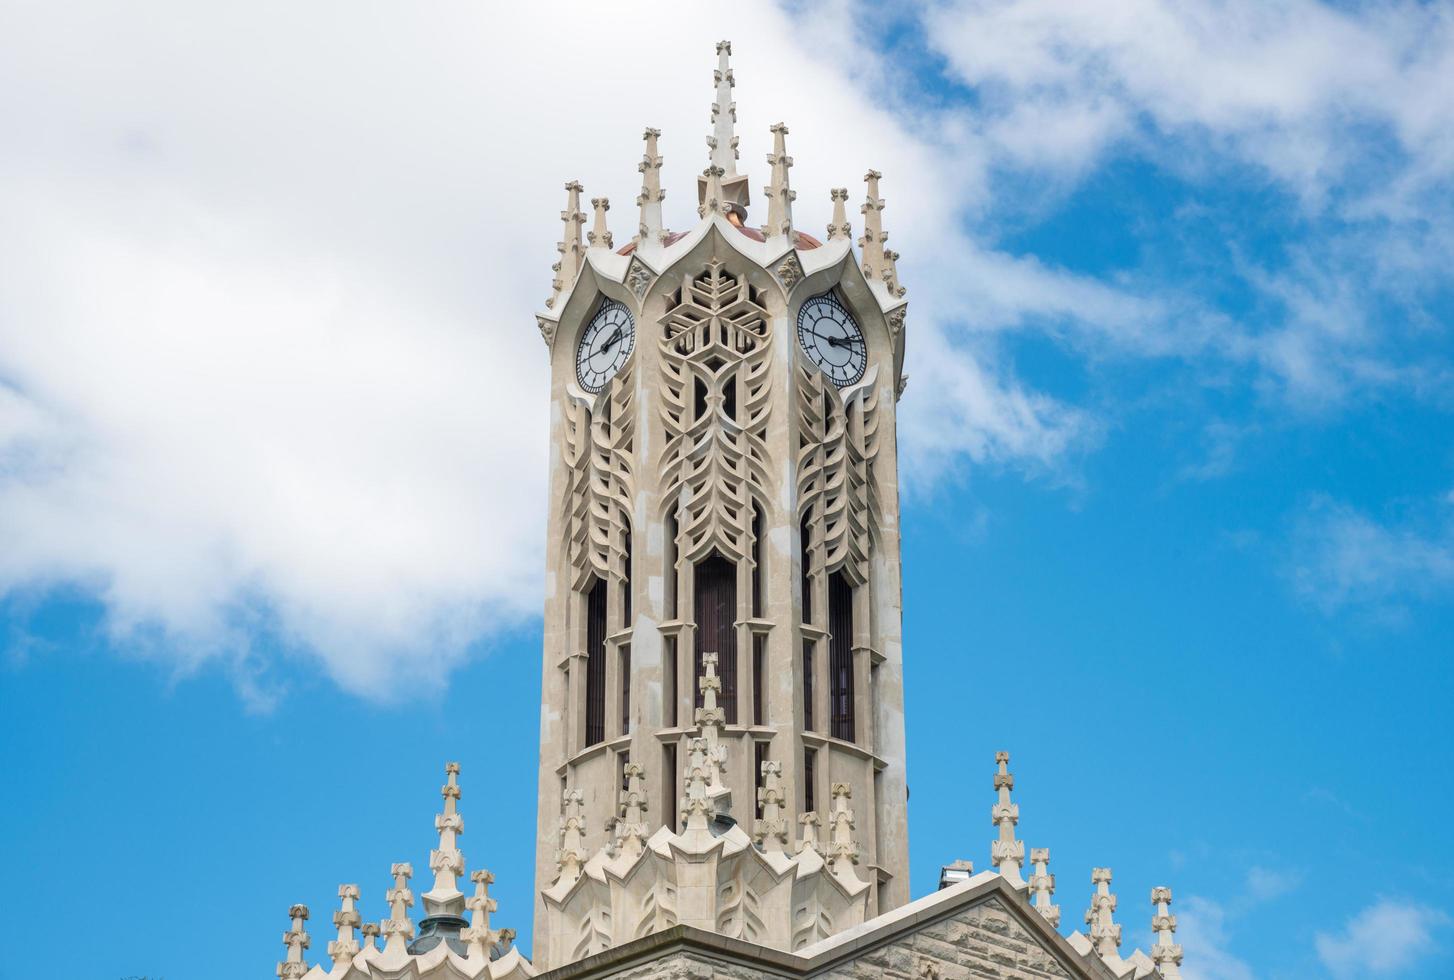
(296, 940)
(1006, 853)
(871, 243)
(479, 936)
(571, 855)
(346, 919)
(631, 828)
(1105, 933)
(696, 806)
(723, 140)
(446, 861)
(839, 226)
(891, 273)
(650, 232)
(1042, 886)
(713, 199)
(572, 252)
(808, 836)
(780, 195)
(842, 848)
(600, 236)
(397, 928)
(771, 829)
(711, 718)
(370, 933)
(1166, 952)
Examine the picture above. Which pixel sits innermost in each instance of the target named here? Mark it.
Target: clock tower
(723, 650)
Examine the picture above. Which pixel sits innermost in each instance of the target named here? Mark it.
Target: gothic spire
(479, 936)
(713, 201)
(710, 717)
(600, 236)
(779, 195)
(723, 140)
(1042, 886)
(1007, 854)
(1105, 934)
(293, 968)
(1166, 952)
(871, 243)
(446, 861)
(839, 226)
(842, 848)
(571, 854)
(632, 827)
(397, 928)
(572, 253)
(343, 949)
(696, 807)
(771, 829)
(649, 232)
(808, 839)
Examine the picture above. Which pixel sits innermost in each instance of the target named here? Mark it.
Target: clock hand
(834, 341)
(610, 342)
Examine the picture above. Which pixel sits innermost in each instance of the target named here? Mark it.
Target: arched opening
(596, 663)
(716, 612)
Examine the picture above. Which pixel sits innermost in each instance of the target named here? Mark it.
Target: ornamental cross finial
(839, 226)
(632, 827)
(571, 854)
(711, 717)
(397, 928)
(713, 200)
(1006, 853)
(779, 195)
(600, 236)
(872, 241)
(346, 919)
(649, 231)
(696, 806)
(446, 861)
(1105, 933)
(1042, 886)
(723, 140)
(1166, 953)
(480, 937)
(572, 252)
(296, 940)
(370, 933)
(771, 829)
(808, 836)
(842, 848)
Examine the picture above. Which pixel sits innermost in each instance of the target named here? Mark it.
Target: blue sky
(1179, 482)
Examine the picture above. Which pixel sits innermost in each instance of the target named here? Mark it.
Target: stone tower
(723, 481)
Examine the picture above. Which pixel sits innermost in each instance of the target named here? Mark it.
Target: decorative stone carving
(1042, 886)
(1007, 854)
(839, 226)
(790, 271)
(638, 278)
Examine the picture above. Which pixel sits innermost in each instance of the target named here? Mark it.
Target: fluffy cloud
(1343, 557)
(1383, 939)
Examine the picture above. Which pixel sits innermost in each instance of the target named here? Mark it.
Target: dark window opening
(699, 387)
(672, 529)
(810, 759)
(729, 399)
(596, 663)
(804, 546)
(625, 668)
(669, 686)
(626, 585)
(669, 815)
(716, 588)
(808, 685)
(757, 531)
(840, 655)
(759, 665)
(759, 756)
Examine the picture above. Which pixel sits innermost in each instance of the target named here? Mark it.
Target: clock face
(605, 344)
(832, 340)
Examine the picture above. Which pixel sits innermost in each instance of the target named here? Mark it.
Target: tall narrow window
(840, 655)
(807, 583)
(670, 565)
(669, 691)
(596, 663)
(810, 759)
(626, 585)
(759, 756)
(625, 672)
(757, 529)
(759, 686)
(669, 779)
(716, 581)
(808, 685)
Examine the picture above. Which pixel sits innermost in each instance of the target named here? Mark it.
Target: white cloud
(1342, 557)
(269, 374)
(1202, 932)
(1383, 939)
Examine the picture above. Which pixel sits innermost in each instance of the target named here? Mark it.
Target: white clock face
(832, 340)
(605, 344)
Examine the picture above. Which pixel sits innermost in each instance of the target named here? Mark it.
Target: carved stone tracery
(598, 448)
(837, 446)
